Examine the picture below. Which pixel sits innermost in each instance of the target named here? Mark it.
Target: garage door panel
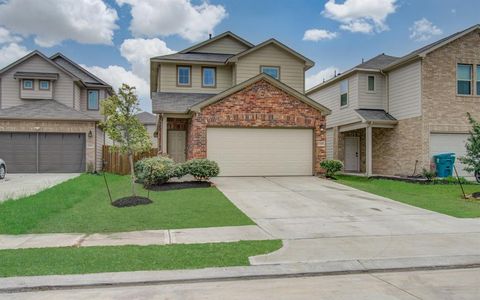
(61, 153)
(451, 142)
(18, 150)
(261, 152)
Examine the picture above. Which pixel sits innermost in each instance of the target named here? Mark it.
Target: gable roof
(171, 102)
(194, 57)
(41, 55)
(308, 62)
(216, 38)
(375, 115)
(81, 72)
(146, 118)
(276, 83)
(44, 110)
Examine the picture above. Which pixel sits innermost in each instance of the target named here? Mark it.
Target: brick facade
(259, 105)
(59, 127)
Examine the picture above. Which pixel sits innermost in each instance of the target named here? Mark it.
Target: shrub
(201, 169)
(155, 170)
(452, 180)
(179, 170)
(331, 167)
(428, 174)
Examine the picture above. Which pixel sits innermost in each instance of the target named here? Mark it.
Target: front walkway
(147, 237)
(322, 221)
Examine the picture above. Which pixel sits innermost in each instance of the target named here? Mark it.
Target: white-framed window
(478, 80)
(44, 85)
(184, 75)
(209, 77)
(272, 71)
(371, 83)
(343, 93)
(27, 84)
(464, 79)
(93, 99)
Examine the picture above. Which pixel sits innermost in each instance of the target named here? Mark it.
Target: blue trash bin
(444, 163)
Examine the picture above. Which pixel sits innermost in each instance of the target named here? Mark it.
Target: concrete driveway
(15, 186)
(321, 221)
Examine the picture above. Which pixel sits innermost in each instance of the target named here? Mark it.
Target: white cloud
(364, 16)
(116, 75)
(320, 76)
(139, 51)
(318, 35)
(10, 53)
(152, 18)
(423, 30)
(7, 37)
(52, 21)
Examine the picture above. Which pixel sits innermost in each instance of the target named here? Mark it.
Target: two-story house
(390, 115)
(49, 115)
(239, 104)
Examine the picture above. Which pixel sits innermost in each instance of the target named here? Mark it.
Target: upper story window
(27, 84)
(272, 71)
(371, 83)
(344, 93)
(464, 79)
(209, 77)
(93, 99)
(478, 80)
(44, 85)
(184, 76)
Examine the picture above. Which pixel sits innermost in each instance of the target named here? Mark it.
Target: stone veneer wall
(259, 105)
(57, 127)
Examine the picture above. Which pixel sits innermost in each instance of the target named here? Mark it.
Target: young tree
(123, 127)
(472, 158)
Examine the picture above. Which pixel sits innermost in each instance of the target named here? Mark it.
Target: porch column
(368, 138)
(164, 134)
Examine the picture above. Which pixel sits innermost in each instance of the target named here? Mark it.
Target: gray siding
(226, 45)
(100, 135)
(292, 70)
(329, 143)
(62, 88)
(405, 91)
(76, 96)
(83, 102)
(371, 99)
(330, 97)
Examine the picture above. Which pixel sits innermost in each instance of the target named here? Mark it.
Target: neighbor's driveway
(18, 185)
(320, 220)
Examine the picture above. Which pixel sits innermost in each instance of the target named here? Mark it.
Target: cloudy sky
(115, 38)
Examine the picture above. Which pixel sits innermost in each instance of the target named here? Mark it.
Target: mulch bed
(476, 195)
(168, 186)
(131, 201)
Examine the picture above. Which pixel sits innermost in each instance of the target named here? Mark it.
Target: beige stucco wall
(58, 127)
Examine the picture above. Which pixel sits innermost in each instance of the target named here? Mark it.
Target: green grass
(445, 199)
(82, 205)
(58, 261)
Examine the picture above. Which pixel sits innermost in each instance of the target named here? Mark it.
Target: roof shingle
(192, 56)
(163, 102)
(375, 115)
(44, 110)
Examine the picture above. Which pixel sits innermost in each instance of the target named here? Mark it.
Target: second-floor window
(184, 76)
(209, 77)
(478, 80)
(344, 93)
(272, 71)
(371, 83)
(44, 85)
(27, 84)
(464, 79)
(93, 100)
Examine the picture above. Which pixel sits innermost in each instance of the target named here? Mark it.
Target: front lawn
(58, 261)
(445, 199)
(81, 205)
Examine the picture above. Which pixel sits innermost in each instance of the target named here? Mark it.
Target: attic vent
(209, 36)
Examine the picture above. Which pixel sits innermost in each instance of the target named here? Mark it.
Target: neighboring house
(150, 122)
(391, 114)
(239, 104)
(49, 114)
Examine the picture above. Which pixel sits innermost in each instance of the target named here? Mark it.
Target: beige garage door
(451, 142)
(261, 152)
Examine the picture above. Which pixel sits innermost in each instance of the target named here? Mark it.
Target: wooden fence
(116, 162)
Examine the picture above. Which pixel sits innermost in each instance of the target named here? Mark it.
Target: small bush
(331, 167)
(201, 169)
(428, 174)
(179, 170)
(154, 170)
(451, 180)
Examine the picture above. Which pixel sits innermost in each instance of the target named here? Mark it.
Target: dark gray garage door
(43, 152)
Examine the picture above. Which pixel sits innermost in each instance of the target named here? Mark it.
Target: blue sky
(115, 38)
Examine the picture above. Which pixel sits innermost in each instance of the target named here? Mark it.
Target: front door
(352, 154)
(176, 140)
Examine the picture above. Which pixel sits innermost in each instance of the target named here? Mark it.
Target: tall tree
(123, 127)
(472, 158)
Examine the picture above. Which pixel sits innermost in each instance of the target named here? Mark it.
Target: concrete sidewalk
(147, 237)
